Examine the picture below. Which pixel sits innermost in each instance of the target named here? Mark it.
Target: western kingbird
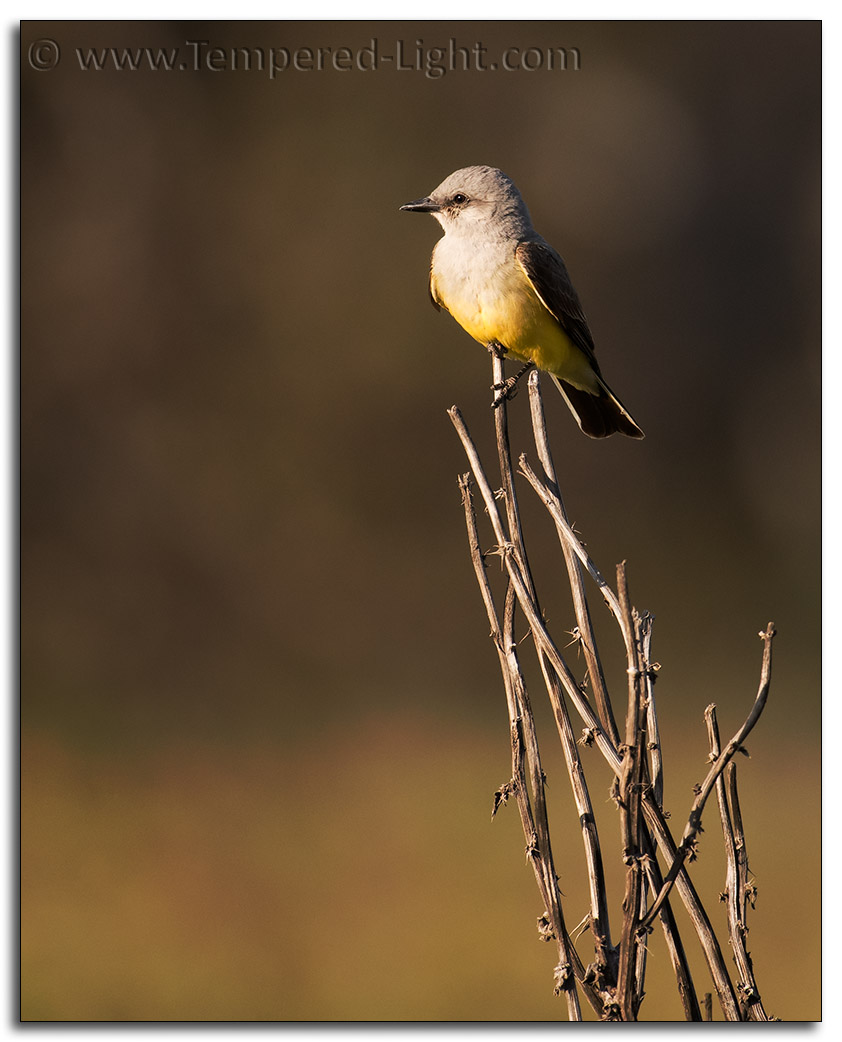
(509, 288)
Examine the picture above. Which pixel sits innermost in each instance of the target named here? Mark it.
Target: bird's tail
(599, 414)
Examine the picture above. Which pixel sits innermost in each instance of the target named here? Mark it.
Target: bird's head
(472, 197)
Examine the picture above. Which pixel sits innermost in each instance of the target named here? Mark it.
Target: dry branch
(736, 894)
(614, 982)
(694, 822)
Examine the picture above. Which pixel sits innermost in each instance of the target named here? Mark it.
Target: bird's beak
(422, 206)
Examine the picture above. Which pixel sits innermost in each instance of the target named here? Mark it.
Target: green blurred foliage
(262, 721)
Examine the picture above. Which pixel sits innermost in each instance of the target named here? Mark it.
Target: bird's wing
(546, 272)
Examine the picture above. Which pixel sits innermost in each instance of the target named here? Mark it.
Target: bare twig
(574, 572)
(695, 819)
(695, 909)
(533, 618)
(604, 971)
(653, 737)
(540, 856)
(614, 983)
(654, 815)
(678, 957)
(569, 537)
(631, 784)
(736, 877)
(573, 551)
(599, 908)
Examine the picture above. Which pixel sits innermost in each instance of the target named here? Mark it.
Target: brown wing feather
(599, 415)
(547, 273)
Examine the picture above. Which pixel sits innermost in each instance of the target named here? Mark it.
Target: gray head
(476, 196)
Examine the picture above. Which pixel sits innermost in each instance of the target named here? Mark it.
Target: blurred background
(261, 721)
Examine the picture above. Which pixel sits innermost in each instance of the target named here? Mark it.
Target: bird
(510, 290)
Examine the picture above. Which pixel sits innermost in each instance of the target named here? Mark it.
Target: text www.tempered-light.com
(404, 56)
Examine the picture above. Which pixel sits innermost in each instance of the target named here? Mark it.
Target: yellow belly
(515, 317)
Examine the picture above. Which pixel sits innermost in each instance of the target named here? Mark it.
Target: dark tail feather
(599, 415)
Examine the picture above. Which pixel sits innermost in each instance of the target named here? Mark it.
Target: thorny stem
(651, 797)
(736, 878)
(533, 618)
(518, 708)
(599, 909)
(614, 986)
(574, 571)
(695, 818)
(631, 783)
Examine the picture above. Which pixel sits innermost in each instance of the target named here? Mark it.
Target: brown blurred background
(262, 721)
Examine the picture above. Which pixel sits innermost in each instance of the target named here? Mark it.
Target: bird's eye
(459, 198)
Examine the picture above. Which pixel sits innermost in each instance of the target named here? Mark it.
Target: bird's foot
(508, 388)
